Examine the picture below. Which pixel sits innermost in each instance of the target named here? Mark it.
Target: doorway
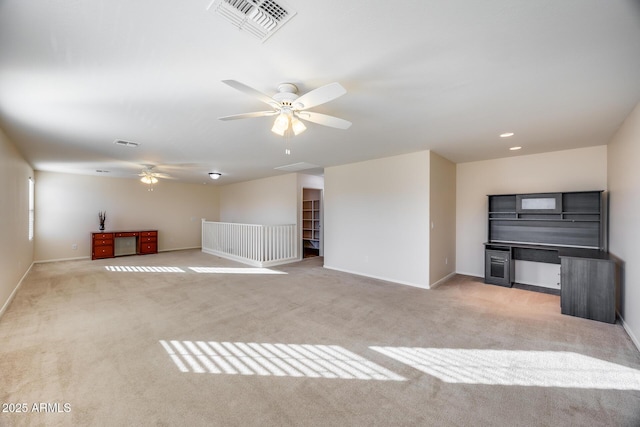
(311, 222)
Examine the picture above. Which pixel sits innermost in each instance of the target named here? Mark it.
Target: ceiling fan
(149, 176)
(289, 107)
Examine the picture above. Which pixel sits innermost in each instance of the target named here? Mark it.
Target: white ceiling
(450, 76)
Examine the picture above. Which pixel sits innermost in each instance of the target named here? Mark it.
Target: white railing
(254, 244)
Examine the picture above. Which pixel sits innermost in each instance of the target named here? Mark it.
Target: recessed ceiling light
(515, 148)
(506, 134)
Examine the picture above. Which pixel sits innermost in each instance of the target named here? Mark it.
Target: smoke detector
(260, 18)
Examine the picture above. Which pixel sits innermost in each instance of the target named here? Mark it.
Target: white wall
(16, 251)
(67, 209)
(624, 215)
(442, 208)
(376, 216)
(570, 170)
(271, 201)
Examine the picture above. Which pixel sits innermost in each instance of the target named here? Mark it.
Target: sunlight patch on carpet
(142, 269)
(516, 367)
(235, 270)
(207, 270)
(281, 360)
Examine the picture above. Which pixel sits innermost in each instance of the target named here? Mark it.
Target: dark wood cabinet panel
(589, 288)
(498, 267)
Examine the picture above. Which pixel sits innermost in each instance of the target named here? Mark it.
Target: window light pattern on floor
(141, 269)
(517, 367)
(281, 360)
(235, 270)
(216, 270)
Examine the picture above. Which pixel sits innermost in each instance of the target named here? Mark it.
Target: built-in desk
(103, 243)
(589, 278)
(568, 229)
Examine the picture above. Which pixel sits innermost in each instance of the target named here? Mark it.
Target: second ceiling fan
(290, 108)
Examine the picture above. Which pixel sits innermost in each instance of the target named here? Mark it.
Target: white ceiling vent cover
(260, 18)
(123, 143)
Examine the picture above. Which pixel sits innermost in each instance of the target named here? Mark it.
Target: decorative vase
(102, 218)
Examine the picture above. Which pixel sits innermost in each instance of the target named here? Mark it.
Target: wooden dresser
(103, 243)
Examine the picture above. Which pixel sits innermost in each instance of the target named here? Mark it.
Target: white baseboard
(441, 281)
(179, 249)
(386, 279)
(470, 274)
(15, 291)
(626, 327)
(42, 261)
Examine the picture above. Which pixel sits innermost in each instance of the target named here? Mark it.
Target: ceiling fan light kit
(148, 179)
(149, 176)
(297, 126)
(289, 107)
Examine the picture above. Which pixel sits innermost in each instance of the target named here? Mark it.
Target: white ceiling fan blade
(249, 115)
(323, 119)
(250, 91)
(163, 176)
(321, 95)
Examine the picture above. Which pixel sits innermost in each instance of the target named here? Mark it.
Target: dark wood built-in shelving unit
(566, 228)
(571, 219)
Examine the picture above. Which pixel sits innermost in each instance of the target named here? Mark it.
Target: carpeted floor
(201, 341)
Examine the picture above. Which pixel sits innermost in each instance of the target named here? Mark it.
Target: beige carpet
(88, 343)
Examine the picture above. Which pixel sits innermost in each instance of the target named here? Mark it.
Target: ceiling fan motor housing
(287, 93)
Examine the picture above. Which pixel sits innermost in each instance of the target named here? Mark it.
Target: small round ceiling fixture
(506, 134)
(215, 175)
(515, 148)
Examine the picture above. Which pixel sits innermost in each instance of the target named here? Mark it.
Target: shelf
(578, 220)
(555, 213)
(543, 220)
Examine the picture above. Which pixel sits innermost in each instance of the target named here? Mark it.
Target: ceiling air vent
(260, 18)
(126, 143)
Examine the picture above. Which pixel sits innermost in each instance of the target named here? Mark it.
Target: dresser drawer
(102, 252)
(102, 236)
(149, 248)
(148, 239)
(153, 233)
(127, 234)
(106, 242)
